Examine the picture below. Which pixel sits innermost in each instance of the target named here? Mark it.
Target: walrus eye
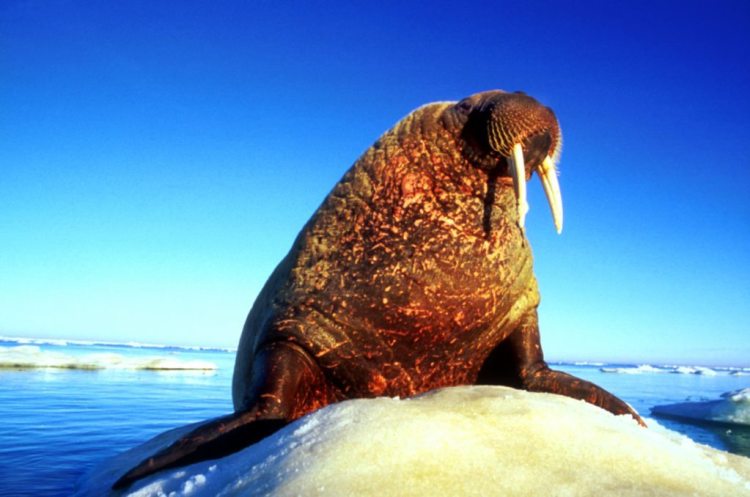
(464, 105)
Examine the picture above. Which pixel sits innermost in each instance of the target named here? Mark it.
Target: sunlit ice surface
(458, 441)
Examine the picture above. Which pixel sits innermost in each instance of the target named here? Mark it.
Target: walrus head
(517, 136)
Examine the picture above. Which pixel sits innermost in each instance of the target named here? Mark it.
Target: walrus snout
(527, 136)
(517, 118)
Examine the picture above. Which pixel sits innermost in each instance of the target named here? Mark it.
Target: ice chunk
(694, 370)
(734, 407)
(487, 441)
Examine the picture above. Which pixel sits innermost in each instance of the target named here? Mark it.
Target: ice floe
(35, 357)
(643, 368)
(733, 408)
(480, 440)
(103, 343)
(650, 369)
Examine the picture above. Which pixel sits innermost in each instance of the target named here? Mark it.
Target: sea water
(67, 406)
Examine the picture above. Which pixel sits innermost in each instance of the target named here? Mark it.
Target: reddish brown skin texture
(412, 275)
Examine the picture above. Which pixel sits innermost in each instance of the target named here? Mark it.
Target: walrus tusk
(548, 175)
(518, 173)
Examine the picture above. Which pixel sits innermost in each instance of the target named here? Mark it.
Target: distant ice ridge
(650, 369)
(643, 368)
(481, 440)
(733, 408)
(33, 357)
(63, 342)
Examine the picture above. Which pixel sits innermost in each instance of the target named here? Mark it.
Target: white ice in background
(643, 368)
(135, 345)
(648, 368)
(483, 441)
(34, 357)
(695, 370)
(60, 342)
(734, 408)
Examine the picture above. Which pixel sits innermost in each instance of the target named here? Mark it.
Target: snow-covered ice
(457, 441)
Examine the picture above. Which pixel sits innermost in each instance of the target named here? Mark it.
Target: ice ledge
(458, 441)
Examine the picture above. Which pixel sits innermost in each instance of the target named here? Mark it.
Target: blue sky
(158, 158)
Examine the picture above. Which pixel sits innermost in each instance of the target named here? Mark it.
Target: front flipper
(519, 362)
(288, 384)
(218, 438)
(545, 379)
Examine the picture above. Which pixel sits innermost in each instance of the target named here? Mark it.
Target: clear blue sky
(158, 158)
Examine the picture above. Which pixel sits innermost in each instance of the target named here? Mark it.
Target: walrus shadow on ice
(413, 274)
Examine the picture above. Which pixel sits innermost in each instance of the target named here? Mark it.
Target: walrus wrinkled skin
(414, 273)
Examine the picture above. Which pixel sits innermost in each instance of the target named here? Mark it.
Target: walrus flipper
(545, 379)
(212, 440)
(519, 362)
(283, 374)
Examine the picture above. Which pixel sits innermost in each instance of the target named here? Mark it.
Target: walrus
(414, 273)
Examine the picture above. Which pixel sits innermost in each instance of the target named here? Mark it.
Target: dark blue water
(57, 423)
